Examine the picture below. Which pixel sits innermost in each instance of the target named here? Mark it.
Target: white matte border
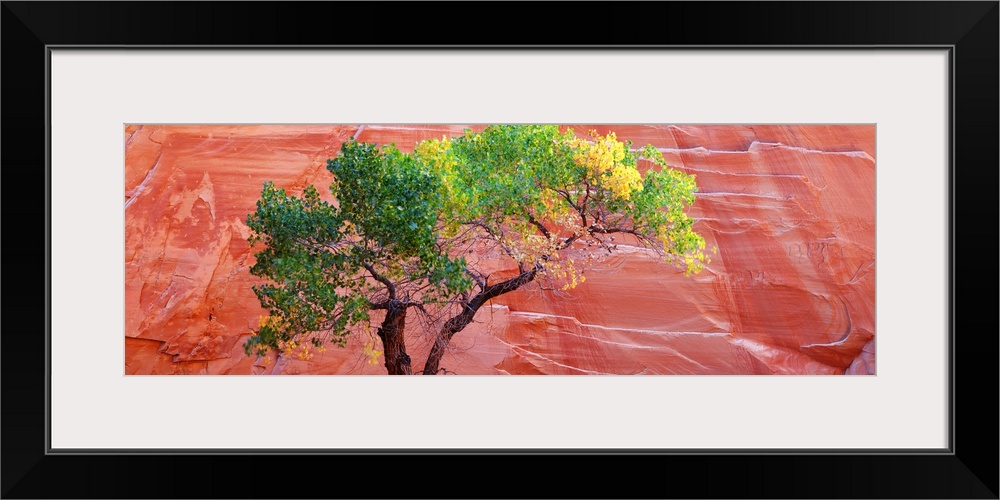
(94, 93)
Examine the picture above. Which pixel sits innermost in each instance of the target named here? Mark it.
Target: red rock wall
(791, 291)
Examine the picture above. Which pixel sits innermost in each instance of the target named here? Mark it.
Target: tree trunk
(397, 362)
(454, 325)
(461, 320)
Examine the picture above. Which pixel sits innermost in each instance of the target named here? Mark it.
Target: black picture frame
(967, 470)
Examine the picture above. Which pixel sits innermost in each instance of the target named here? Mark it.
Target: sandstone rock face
(791, 290)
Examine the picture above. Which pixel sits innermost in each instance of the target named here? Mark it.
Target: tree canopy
(396, 238)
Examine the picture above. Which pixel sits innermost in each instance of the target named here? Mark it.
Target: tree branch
(568, 199)
(642, 237)
(382, 279)
(583, 206)
(476, 277)
(568, 241)
(505, 286)
(541, 227)
(468, 312)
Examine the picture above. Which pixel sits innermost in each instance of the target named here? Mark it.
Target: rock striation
(791, 290)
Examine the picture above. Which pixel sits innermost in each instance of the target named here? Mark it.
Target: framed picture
(921, 75)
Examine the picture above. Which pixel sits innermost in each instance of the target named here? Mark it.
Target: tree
(331, 265)
(398, 235)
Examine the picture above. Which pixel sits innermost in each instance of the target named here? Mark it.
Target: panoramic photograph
(500, 249)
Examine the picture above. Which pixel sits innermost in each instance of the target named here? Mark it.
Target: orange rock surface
(791, 290)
